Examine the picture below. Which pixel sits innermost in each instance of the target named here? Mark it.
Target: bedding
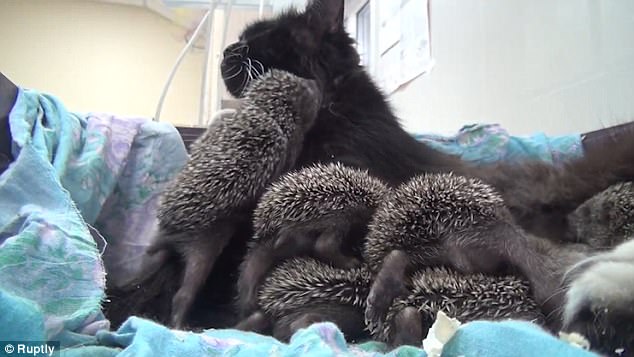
(489, 143)
(80, 200)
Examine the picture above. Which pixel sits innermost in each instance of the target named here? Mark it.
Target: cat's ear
(325, 16)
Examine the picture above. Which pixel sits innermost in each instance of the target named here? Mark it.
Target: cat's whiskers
(261, 71)
(250, 68)
(242, 46)
(557, 310)
(245, 81)
(253, 73)
(240, 68)
(232, 55)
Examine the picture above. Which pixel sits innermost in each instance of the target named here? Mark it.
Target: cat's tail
(544, 263)
(541, 195)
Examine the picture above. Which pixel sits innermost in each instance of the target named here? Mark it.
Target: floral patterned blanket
(82, 191)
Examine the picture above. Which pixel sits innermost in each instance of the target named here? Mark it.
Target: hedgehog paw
(310, 100)
(380, 298)
(248, 302)
(328, 248)
(257, 322)
(305, 321)
(408, 327)
(388, 284)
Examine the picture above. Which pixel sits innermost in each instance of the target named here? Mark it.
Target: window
(363, 34)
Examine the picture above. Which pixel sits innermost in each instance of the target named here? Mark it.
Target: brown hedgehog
(606, 219)
(461, 223)
(302, 291)
(321, 211)
(230, 166)
(420, 214)
(432, 220)
(466, 297)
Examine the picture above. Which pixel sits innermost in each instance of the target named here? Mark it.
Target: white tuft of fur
(607, 283)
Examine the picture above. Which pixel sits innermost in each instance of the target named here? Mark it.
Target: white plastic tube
(225, 29)
(220, 113)
(204, 90)
(261, 10)
(177, 64)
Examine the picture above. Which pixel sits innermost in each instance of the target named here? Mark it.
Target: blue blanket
(82, 193)
(490, 143)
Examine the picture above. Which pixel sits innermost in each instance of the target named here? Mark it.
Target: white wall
(99, 57)
(554, 66)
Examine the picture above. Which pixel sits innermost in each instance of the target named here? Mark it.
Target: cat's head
(311, 43)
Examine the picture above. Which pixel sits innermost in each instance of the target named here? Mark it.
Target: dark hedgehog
(302, 291)
(457, 222)
(321, 211)
(422, 215)
(606, 219)
(466, 297)
(230, 166)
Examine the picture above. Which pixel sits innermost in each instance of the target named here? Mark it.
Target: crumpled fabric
(491, 143)
(71, 172)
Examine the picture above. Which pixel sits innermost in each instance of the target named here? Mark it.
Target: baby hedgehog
(320, 211)
(432, 220)
(230, 166)
(467, 297)
(302, 291)
(460, 223)
(606, 219)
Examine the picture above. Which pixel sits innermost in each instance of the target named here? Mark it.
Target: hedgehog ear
(325, 16)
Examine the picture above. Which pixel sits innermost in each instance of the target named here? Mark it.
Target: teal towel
(140, 337)
(490, 143)
(508, 338)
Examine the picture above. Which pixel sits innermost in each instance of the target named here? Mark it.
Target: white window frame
(351, 11)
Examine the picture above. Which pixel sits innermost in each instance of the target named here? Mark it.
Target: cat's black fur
(357, 127)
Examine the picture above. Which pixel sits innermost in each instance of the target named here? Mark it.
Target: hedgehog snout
(308, 102)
